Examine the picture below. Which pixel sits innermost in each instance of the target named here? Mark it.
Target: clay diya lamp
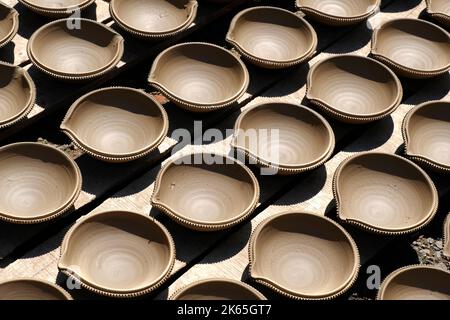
(413, 48)
(338, 12)
(271, 37)
(118, 254)
(354, 89)
(153, 19)
(287, 138)
(56, 9)
(73, 54)
(303, 256)
(440, 11)
(426, 132)
(417, 282)
(206, 192)
(9, 24)
(218, 289)
(31, 289)
(40, 182)
(384, 193)
(199, 77)
(17, 94)
(116, 124)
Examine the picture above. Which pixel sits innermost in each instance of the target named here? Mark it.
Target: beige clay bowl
(439, 10)
(413, 48)
(17, 94)
(384, 193)
(338, 12)
(287, 137)
(153, 18)
(75, 53)
(353, 88)
(426, 132)
(39, 182)
(303, 256)
(116, 124)
(271, 37)
(199, 77)
(9, 24)
(31, 289)
(204, 196)
(56, 9)
(119, 254)
(217, 289)
(417, 282)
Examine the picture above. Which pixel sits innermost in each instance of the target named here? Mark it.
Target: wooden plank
(136, 196)
(99, 177)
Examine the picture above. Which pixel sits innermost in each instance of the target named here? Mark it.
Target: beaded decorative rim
(295, 295)
(441, 17)
(103, 291)
(15, 16)
(56, 12)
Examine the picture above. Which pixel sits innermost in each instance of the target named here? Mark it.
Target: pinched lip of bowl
(272, 37)
(17, 94)
(217, 289)
(413, 48)
(384, 193)
(338, 12)
(439, 10)
(40, 183)
(98, 49)
(426, 129)
(416, 282)
(56, 9)
(31, 289)
(153, 19)
(116, 124)
(118, 254)
(9, 24)
(303, 139)
(354, 89)
(206, 192)
(310, 244)
(199, 77)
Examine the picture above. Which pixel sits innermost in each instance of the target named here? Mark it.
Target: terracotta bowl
(416, 282)
(39, 182)
(199, 77)
(446, 238)
(217, 289)
(338, 12)
(203, 196)
(271, 37)
(413, 48)
(153, 18)
(118, 253)
(17, 94)
(56, 9)
(75, 54)
(9, 24)
(384, 193)
(31, 289)
(303, 139)
(426, 132)
(116, 124)
(353, 88)
(303, 256)
(439, 10)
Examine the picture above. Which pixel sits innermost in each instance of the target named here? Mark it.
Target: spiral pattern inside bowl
(152, 16)
(272, 34)
(15, 93)
(429, 132)
(384, 191)
(340, 8)
(305, 254)
(117, 251)
(37, 180)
